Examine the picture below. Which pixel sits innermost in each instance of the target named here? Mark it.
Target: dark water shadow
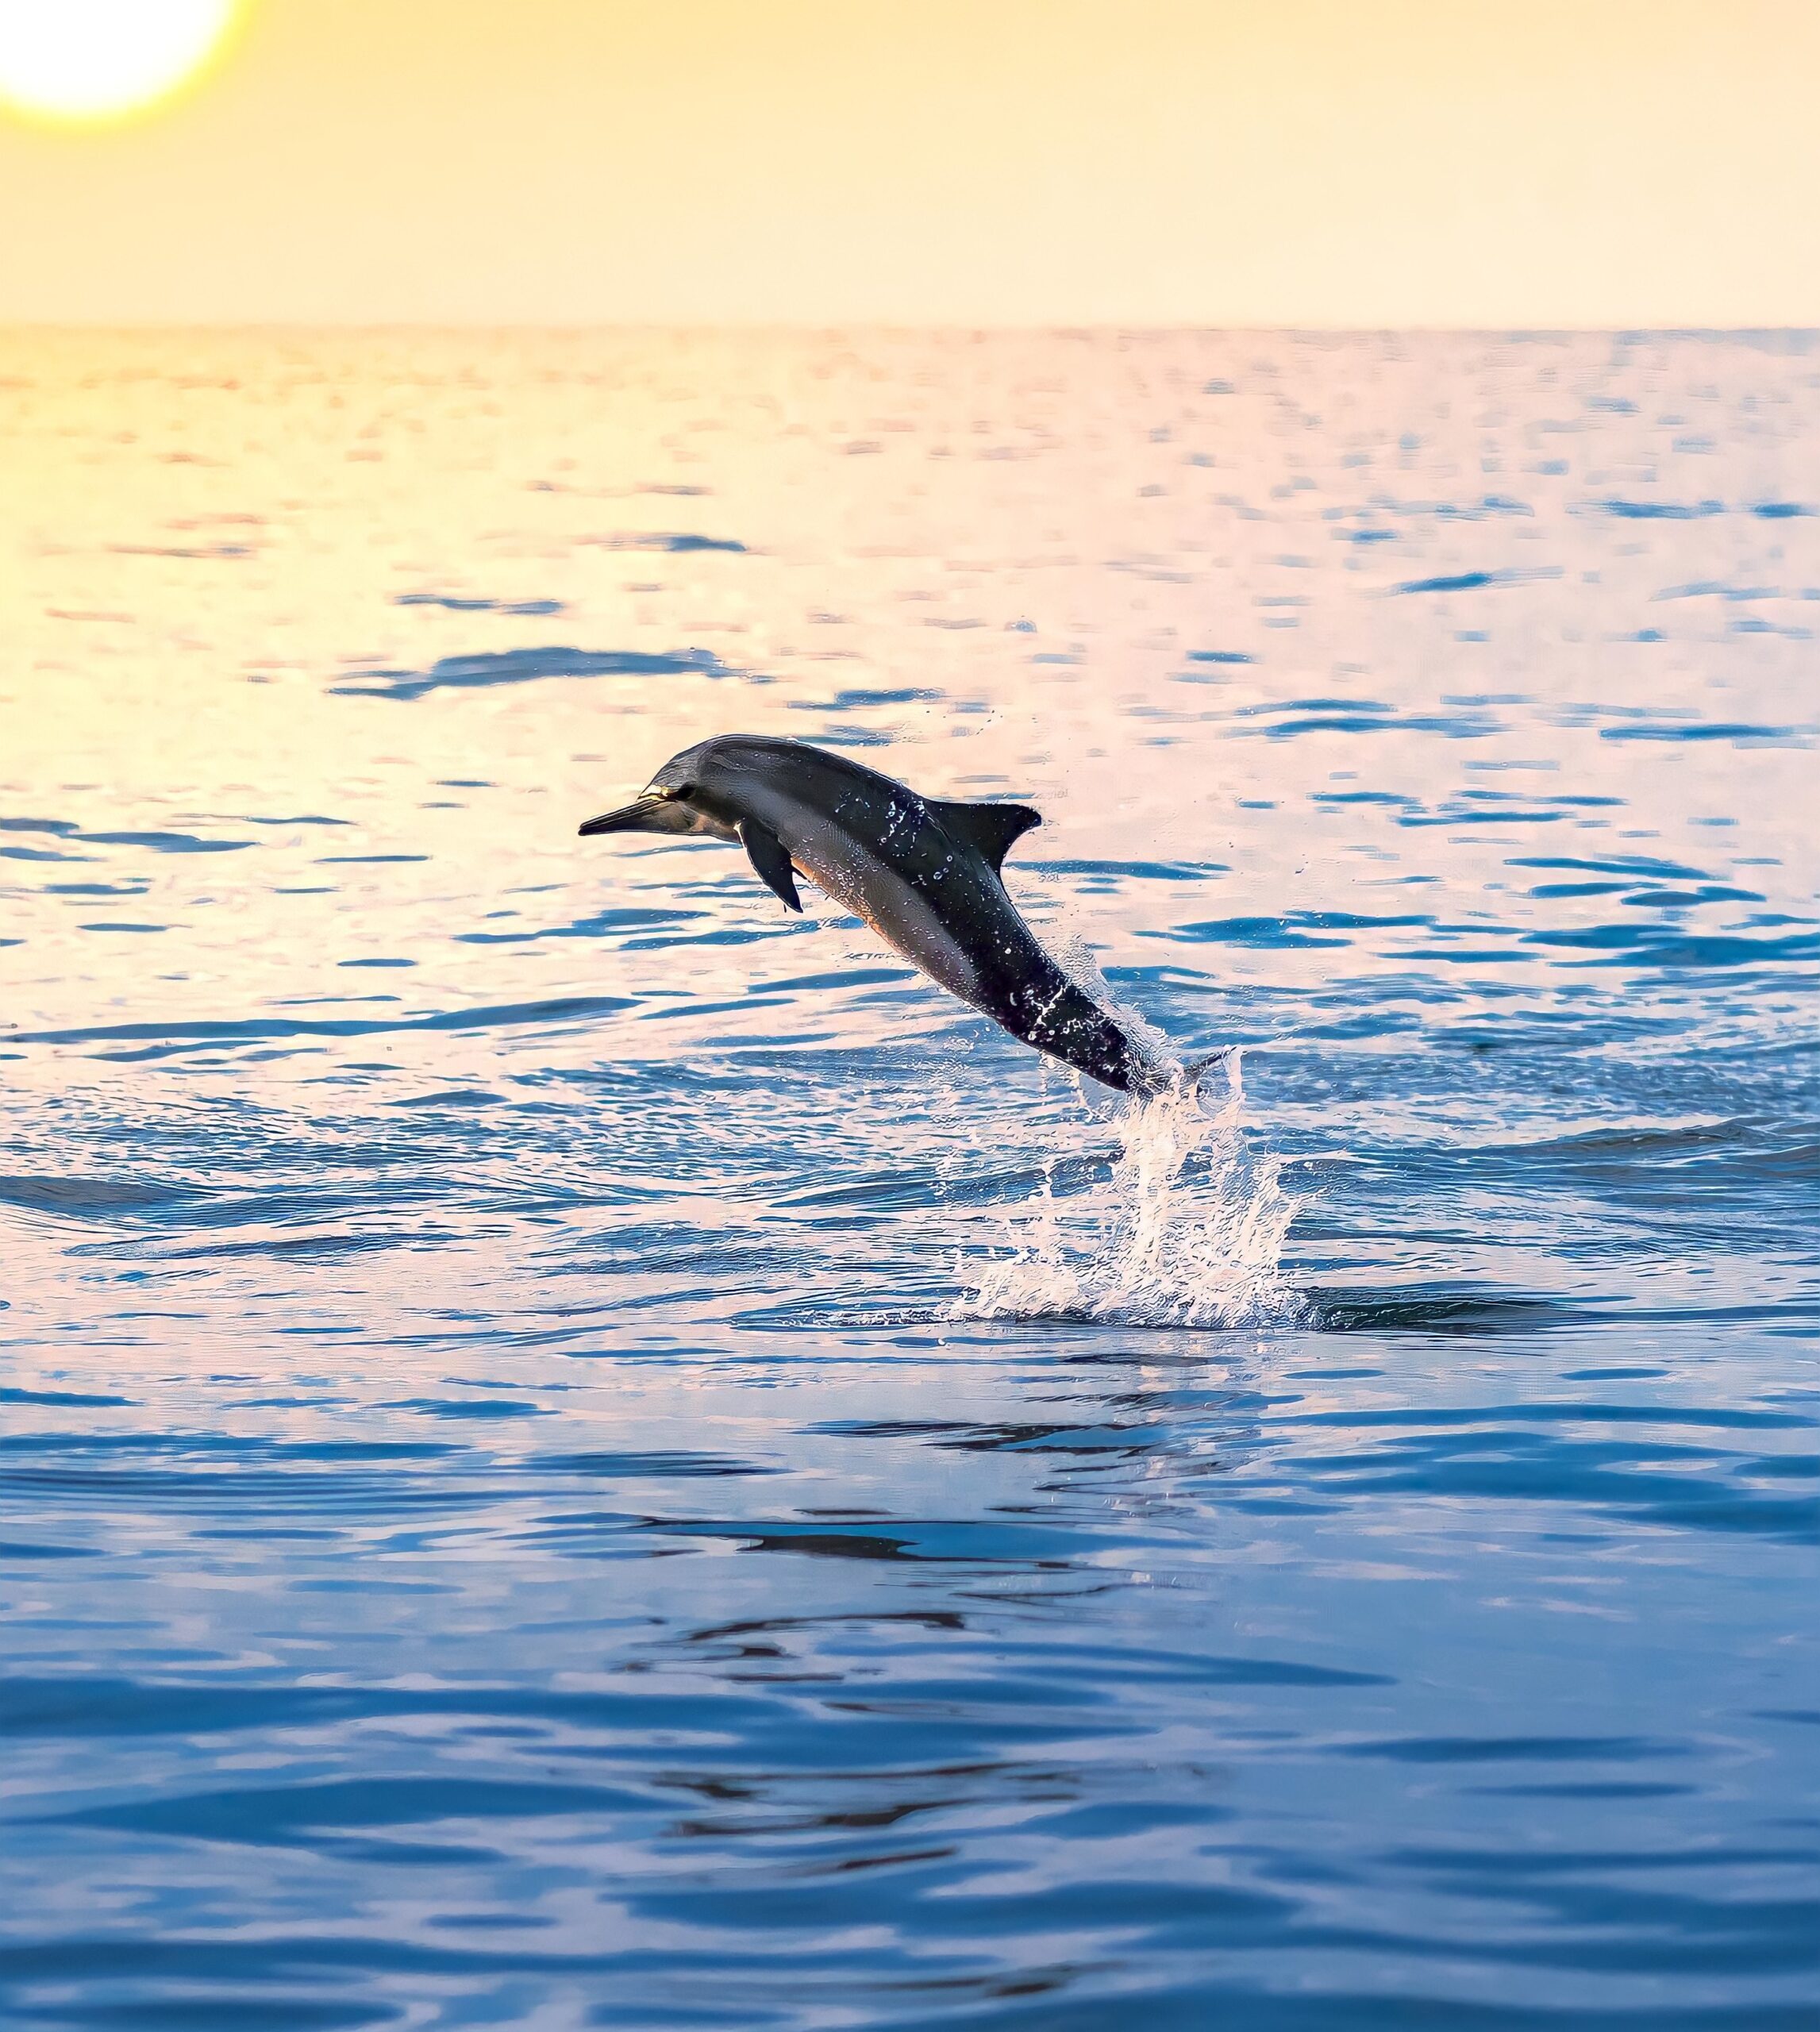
(523, 667)
(1438, 1309)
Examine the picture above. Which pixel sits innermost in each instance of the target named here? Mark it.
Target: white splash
(1187, 1230)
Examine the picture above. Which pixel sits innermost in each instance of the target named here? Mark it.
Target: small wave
(1657, 511)
(1187, 1230)
(1471, 582)
(523, 667)
(461, 604)
(159, 1039)
(1735, 731)
(85, 1198)
(677, 542)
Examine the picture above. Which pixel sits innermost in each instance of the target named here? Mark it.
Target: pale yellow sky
(1006, 161)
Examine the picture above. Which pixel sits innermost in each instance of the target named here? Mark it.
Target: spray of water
(1187, 1229)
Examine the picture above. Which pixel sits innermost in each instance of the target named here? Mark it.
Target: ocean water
(578, 1451)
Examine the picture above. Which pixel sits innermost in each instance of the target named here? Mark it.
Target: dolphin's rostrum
(923, 873)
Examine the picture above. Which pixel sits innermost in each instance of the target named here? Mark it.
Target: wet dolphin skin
(923, 873)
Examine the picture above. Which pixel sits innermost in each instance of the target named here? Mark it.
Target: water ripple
(574, 1452)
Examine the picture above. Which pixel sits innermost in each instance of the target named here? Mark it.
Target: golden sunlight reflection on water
(1106, 574)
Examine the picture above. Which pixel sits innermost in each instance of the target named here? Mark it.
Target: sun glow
(83, 63)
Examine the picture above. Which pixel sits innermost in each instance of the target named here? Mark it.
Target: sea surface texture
(580, 1451)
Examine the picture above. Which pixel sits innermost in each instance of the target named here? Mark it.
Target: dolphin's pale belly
(970, 939)
(895, 908)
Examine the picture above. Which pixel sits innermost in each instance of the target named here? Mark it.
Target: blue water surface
(577, 1451)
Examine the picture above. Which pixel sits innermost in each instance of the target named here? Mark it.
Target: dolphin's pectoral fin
(771, 859)
(989, 828)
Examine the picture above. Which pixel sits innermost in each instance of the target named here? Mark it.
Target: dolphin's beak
(634, 818)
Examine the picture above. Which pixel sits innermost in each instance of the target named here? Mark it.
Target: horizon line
(1047, 328)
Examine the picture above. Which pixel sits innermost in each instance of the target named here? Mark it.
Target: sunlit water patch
(579, 1450)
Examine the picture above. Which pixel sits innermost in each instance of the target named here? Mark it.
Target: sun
(85, 63)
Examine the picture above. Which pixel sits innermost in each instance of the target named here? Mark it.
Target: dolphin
(923, 873)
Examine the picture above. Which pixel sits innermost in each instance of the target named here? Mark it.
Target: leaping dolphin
(923, 873)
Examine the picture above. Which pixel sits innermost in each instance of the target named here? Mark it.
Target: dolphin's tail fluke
(1195, 1073)
(1153, 1078)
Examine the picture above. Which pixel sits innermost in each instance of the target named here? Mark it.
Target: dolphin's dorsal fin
(989, 829)
(772, 859)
